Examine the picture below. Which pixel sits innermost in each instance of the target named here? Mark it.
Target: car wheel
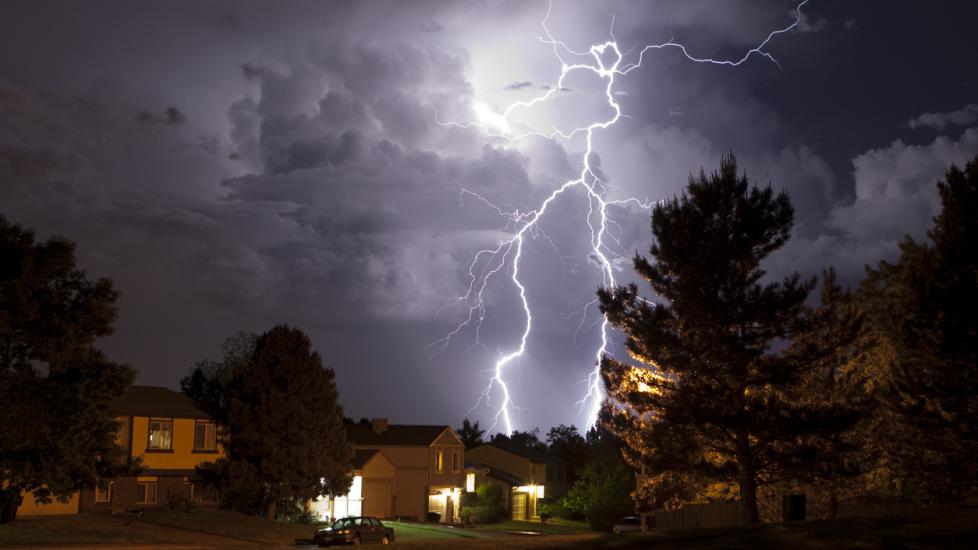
(385, 540)
(356, 540)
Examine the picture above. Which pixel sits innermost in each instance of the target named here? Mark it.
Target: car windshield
(341, 523)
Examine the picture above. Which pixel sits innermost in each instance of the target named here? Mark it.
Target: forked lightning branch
(608, 63)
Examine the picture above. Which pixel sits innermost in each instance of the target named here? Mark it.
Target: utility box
(793, 508)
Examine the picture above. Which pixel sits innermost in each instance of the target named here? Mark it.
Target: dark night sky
(232, 165)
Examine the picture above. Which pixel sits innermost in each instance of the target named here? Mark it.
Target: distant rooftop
(393, 434)
(157, 401)
(530, 454)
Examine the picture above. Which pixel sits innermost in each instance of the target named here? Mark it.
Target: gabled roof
(157, 401)
(395, 434)
(497, 474)
(529, 454)
(362, 457)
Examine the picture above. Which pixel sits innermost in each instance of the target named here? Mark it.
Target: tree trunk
(748, 498)
(270, 509)
(10, 500)
(747, 481)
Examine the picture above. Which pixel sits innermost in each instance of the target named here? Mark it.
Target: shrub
(479, 514)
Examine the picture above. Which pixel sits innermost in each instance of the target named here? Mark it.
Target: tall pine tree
(922, 312)
(722, 399)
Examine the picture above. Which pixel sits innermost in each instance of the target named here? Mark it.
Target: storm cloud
(232, 165)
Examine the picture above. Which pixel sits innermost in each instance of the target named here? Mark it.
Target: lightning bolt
(607, 61)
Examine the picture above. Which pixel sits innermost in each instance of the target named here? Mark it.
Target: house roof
(529, 454)
(157, 401)
(498, 474)
(395, 434)
(362, 457)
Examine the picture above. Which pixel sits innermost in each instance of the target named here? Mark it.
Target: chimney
(378, 425)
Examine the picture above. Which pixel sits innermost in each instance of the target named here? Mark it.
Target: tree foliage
(567, 445)
(602, 492)
(721, 398)
(285, 423)
(208, 382)
(923, 360)
(526, 440)
(57, 430)
(470, 434)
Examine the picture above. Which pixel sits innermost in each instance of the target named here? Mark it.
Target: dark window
(455, 461)
(205, 436)
(103, 494)
(146, 492)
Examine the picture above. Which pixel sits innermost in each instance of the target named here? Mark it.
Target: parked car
(630, 524)
(354, 530)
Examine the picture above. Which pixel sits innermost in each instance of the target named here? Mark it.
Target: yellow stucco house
(171, 435)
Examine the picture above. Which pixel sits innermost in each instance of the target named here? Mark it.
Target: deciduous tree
(57, 430)
(285, 422)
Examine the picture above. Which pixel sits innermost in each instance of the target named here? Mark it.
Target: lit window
(470, 483)
(146, 492)
(160, 434)
(440, 461)
(103, 493)
(455, 461)
(205, 436)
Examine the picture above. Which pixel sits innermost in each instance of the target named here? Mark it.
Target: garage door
(377, 498)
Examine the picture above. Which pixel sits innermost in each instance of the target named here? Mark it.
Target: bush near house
(488, 507)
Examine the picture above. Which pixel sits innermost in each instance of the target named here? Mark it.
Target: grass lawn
(420, 531)
(93, 529)
(945, 527)
(231, 525)
(552, 527)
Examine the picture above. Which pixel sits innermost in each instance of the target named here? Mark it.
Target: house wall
(411, 481)
(513, 465)
(181, 456)
(28, 508)
(417, 474)
(379, 484)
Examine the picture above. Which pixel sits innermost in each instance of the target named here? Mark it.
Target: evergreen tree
(57, 430)
(285, 423)
(470, 434)
(925, 359)
(721, 401)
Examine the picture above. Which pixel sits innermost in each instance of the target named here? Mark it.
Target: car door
(377, 529)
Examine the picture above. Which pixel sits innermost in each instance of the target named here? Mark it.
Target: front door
(519, 505)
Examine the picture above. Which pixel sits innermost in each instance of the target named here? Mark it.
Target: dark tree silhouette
(521, 440)
(470, 434)
(208, 382)
(565, 443)
(922, 310)
(57, 430)
(722, 401)
(285, 423)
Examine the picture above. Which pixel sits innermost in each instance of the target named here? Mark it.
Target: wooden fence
(699, 516)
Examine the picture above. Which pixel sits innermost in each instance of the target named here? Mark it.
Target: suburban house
(526, 476)
(372, 491)
(403, 471)
(171, 435)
